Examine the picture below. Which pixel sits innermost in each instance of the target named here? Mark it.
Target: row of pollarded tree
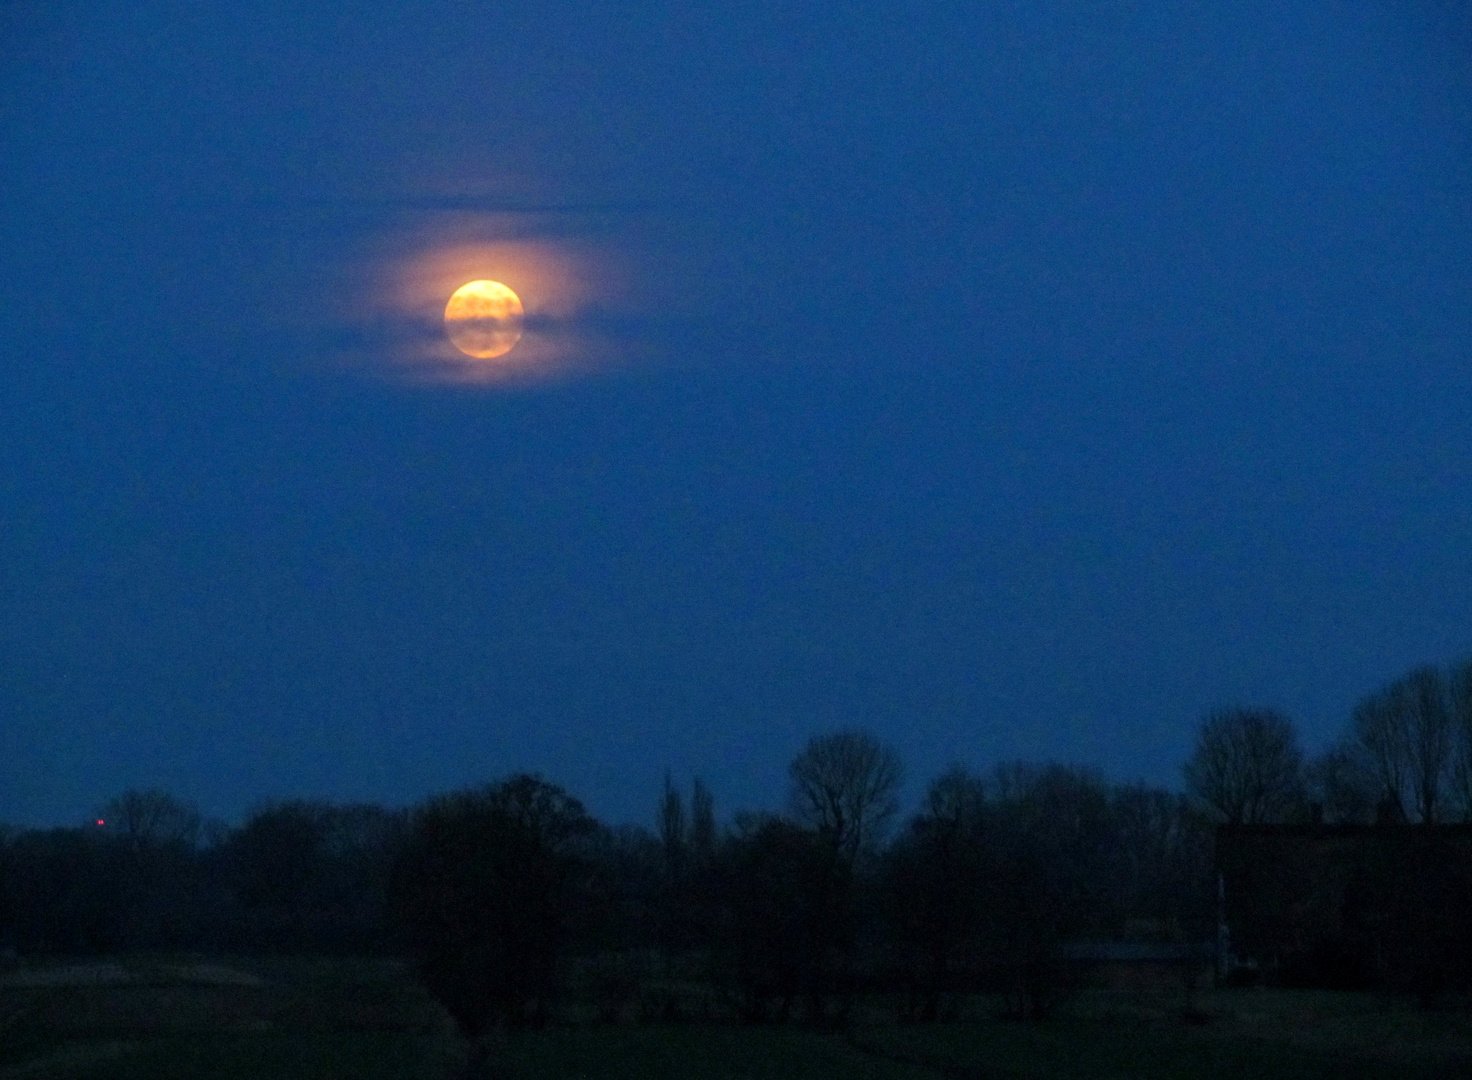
(1406, 756)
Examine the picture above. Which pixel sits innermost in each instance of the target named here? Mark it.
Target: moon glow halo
(483, 319)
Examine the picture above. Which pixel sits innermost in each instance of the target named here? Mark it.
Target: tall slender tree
(702, 820)
(672, 833)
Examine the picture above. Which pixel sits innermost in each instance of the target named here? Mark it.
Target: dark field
(188, 1017)
(165, 1017)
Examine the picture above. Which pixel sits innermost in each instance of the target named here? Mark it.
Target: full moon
(483, 319)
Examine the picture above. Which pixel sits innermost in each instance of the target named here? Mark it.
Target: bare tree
(1424, 696)
(955, 801)
(1404, 732)
(1380, 737)
(1460, 681)
(1341, 785)
(1247, 766)
(152, 818)
(845, 786)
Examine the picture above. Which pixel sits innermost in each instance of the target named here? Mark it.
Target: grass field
(176, 1017)
(162, 1018)
(1249, 1035)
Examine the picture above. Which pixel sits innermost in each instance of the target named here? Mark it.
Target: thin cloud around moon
(602, 281)
(409, 271)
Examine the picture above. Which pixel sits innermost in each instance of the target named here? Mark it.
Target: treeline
(149, 873)
(510, 897)
(513, 903)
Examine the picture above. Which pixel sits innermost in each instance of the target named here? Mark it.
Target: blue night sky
(1013, 379)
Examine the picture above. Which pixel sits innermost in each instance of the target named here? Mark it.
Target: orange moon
(483, 319)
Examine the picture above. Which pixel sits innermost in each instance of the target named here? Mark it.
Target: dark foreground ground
(230, 1019)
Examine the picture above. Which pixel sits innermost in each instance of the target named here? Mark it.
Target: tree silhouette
(937, 877)
(484, 888)
(1247, 766)
(1338, 783)
(153, 818)
(275, 856)
(1405, 733)
(672, 831)
(1460, 686)
(782, 921)
(845, 787)
(702, 820)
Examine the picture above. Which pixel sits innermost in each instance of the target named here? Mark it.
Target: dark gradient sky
(1015, 379)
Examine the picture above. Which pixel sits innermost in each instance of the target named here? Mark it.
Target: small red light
(101, 822)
